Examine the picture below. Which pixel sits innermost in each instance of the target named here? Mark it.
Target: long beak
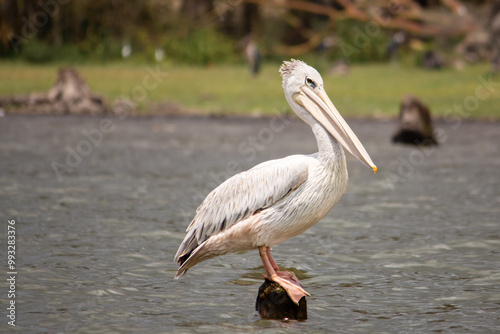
(322, 109)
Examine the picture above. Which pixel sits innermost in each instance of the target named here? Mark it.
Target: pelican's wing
(241, 196)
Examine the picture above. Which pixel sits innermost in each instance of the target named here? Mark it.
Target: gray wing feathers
(241, 196)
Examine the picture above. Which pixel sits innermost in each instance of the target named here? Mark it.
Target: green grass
(369, 90)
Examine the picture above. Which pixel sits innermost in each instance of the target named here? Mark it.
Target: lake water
(413, 248)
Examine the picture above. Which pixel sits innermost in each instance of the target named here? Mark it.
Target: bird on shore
(278, 199)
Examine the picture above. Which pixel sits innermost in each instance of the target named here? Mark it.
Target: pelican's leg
(270, 257)
(284, 274)
(284, 279)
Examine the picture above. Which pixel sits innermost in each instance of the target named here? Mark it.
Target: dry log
(69, 95)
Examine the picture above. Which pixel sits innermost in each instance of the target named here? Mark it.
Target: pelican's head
(304, 92)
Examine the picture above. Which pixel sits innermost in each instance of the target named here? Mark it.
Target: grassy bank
(369, 90)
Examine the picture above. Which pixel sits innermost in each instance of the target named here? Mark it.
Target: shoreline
(237, 116)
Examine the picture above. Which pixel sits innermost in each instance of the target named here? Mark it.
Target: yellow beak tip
(374, 169)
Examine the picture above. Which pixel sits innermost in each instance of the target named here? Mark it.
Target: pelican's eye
(310, 82)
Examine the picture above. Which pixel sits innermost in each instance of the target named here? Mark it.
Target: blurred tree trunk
(10, 22)
(29, 9)
(56, 31)
(69, 23)
(250, 18)
(495, 34)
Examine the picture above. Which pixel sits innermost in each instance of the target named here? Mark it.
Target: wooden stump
(415, 123)
(274, 303)
(69, 95)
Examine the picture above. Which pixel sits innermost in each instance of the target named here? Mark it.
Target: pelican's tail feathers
(229, 241)
(194, 257)
(189, 244)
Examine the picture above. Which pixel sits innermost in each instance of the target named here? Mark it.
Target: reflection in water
(96, 250)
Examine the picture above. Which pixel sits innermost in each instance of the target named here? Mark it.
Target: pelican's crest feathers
(288, 67)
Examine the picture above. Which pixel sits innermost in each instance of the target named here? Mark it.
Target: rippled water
(414, 248)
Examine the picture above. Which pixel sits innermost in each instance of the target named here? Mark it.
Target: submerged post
(274, 303)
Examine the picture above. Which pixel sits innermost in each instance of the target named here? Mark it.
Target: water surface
(414, 248)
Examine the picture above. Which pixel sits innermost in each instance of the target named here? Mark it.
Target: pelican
(281, 198)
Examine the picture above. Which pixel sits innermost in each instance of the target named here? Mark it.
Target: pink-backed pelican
(281, 198)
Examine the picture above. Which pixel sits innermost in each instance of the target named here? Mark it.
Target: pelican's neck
(329, 149)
